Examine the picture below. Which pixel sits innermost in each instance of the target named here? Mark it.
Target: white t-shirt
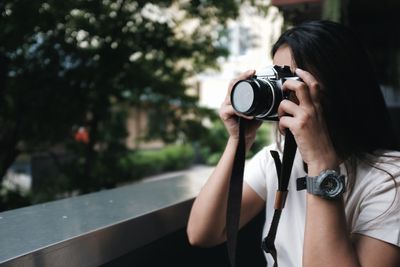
(374, 192)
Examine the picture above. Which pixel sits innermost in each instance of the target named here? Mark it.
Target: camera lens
(243, 96)
(252, 97)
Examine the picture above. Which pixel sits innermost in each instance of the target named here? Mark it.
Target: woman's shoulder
(387, 153)
(374, 203)
(386, 160)
(379, 168)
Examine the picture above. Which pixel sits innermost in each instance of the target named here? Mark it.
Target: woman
(340, 123)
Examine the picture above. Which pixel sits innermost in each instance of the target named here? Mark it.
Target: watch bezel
(328, 192)
(315, 184)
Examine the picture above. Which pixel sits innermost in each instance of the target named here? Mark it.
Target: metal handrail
(93, 229)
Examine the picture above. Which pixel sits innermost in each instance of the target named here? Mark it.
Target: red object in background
(82, 135)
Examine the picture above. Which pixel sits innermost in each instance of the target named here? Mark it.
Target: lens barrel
(252, 97)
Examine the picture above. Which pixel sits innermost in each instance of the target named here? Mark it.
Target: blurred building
(137, 126)
(249, 40)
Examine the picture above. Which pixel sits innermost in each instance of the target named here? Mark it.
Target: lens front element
(243, 97)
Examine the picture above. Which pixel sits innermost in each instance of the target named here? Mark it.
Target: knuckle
(301, 124)
(303, 87)
(284, 103)
(225, 112)
(314, 84)
(221, 112)
(282, 107)
(304, 120)
(307, 116)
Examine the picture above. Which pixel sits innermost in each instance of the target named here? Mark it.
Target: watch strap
(307, 182)
(301, 183)
(312, 188)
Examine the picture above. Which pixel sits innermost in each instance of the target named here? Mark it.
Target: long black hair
(352, 103)
(354, 108)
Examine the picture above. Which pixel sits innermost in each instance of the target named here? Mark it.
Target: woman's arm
(373, 252)
(327, 241)
(206, 226)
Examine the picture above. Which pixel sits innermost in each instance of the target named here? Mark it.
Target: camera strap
(235, 194)
(283, 169)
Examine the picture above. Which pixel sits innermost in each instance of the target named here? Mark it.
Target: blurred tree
(66, 64)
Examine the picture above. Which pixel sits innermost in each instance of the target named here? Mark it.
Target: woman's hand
(306, 122)
(230, 117)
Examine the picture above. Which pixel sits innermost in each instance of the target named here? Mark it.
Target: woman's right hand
(207, 220)
(230, 117)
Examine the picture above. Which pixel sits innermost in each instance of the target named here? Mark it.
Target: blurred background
(98, 94)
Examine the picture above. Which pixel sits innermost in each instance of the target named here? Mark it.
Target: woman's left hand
(306, 121)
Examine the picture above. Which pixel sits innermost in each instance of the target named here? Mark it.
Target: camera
(260, 95)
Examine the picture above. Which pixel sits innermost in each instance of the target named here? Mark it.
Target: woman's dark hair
(355, 112)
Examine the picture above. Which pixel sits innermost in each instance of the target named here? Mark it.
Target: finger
(286, 122)
(226, 112)
(243, 76)
(312, 83)
(287, 107)
(244, 116)
(247, 74)
(300, 89)
(227, 100)
(314, 86)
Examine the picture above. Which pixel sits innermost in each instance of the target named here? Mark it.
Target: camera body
(260, 95)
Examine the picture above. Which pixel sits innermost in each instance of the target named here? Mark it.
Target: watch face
(331, 186)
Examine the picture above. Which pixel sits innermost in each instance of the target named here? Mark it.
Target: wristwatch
(329, 184)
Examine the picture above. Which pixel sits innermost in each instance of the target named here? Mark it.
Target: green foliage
(126, 167)
(139, 164)
(332, 10)
(11, 199)
(212, 144)
(263, 138)
(66, 64)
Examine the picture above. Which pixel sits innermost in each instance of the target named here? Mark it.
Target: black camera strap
(283, 170)
(235, 192)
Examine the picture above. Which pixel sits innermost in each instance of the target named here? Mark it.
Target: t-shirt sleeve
(379, 215)
(254, 173)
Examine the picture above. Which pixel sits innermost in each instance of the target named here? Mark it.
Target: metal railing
(93, 229)
(142, 224)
